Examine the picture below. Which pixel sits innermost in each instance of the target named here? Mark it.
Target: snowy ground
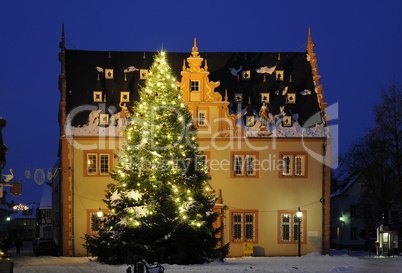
(339, 261)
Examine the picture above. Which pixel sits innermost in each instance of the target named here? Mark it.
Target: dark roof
(346, 184)
(81, 75)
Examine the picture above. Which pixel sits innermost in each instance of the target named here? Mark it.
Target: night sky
(358, 47)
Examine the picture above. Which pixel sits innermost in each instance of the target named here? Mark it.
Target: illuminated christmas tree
(161, 206)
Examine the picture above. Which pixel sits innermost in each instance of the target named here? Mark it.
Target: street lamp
(341, 235)
(299, 215)
(100, 213)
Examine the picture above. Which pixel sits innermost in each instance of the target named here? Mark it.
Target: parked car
(45, 246)
(6, 264)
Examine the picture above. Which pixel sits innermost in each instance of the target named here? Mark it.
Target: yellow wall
(268, 193)
(88, 191)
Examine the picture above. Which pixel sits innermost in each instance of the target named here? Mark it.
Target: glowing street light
(299, 215)
(99, 213)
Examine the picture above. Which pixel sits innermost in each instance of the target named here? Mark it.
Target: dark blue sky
(358, 46)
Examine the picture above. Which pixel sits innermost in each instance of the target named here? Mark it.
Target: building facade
(261, 124)
(355, 216)
(45, 214)
(24, 225)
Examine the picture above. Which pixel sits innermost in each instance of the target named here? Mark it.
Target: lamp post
(341, 235)
(299, 215)
(100, 213)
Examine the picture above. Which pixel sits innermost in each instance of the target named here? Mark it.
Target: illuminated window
(293, 165)
(250, 165)
(194, 86)
(97, 163)
(237, 225)
(244, 226)
(238, 165)
(104, 164)
(287, 165)
(296, 224)
(249, 226)
(94, 222)
(285, 227)
(299, 165)
(288, 227)
(244, 164)
(92, 160)
(202, 118)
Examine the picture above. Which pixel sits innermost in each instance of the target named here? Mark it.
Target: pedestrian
(6, 245)
(18, 245)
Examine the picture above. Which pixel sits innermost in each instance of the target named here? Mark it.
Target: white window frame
(290, 234)
(202, 118)
(236, 225)
(284, 224)
(250, 169)
(294, 164)
(244, 226)
(295, 225)
(92, 167)
(238, 165)
(299, 163)
(102, 164)
(287, 165)
(247, 225)
(98, 163)
(93, 226)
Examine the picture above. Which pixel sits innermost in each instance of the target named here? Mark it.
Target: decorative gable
(195, 84)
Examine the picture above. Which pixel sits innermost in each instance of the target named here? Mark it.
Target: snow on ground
(313, 262)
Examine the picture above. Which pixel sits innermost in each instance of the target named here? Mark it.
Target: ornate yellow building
(261, 124)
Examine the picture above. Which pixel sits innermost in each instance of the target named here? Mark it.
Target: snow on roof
(349, 181)
(20, 214)
(46, 200)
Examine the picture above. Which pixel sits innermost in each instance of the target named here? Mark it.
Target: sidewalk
(26, 249)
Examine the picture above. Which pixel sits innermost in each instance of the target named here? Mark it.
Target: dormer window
(291, 98)
(246, 75)
(97, 96)
(265, 97)
(194, 86)
(143, 74)
(109, 73)
(124, 96)
(103, 119)
(287, 121)
(279, 75)
(238, 97)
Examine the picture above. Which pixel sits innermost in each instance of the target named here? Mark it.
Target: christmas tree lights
(161, 206)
